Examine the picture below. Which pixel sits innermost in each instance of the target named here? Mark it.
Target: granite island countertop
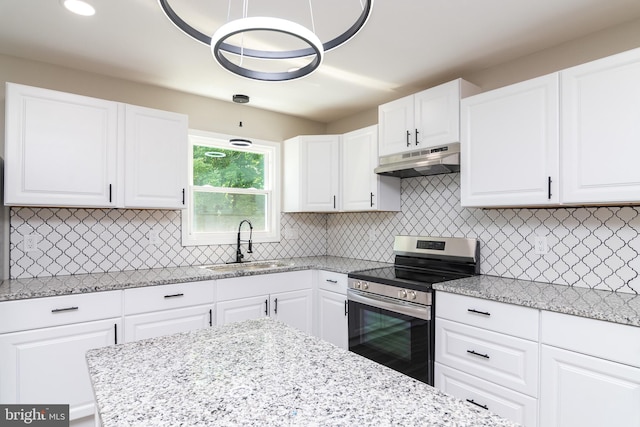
(614, 307)
(16, 289)
(262, 372)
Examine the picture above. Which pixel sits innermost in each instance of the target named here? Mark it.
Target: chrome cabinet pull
(484, 313)
(174, 295)
(473, 402)
(486, 356)
(61, 310)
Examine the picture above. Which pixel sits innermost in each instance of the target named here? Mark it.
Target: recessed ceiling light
(79, 7)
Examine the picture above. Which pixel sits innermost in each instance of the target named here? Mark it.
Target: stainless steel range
(391, 308)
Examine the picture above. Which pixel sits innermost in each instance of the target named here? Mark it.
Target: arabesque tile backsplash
(589, 247)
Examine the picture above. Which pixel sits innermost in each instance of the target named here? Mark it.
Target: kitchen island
(265, 373)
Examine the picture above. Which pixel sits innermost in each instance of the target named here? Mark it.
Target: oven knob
(402, 293)
(357, 285)
(413, 295)
(365, 286)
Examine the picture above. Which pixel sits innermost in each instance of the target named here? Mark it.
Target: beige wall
(597, 45)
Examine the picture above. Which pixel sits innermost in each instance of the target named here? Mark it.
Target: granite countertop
(83, 283)
(262, 372)
(595, 304)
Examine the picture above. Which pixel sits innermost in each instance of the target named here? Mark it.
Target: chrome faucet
(239, 254)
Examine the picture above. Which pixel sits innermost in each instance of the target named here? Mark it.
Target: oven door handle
(401, 307)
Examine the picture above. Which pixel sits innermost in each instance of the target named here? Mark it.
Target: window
(227, 185)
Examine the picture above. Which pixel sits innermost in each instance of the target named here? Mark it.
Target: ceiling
(405, 44)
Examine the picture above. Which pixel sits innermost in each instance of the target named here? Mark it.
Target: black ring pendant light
(222, 47)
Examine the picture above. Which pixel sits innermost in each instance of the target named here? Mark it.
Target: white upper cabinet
(510, 145)
(155, 158)
(601, 130)
(425, 119)
(70, 150)
(312, 173)
(571, 138)
(362, 189)
(60, 149)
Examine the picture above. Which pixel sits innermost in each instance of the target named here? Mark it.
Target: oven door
(394, 333)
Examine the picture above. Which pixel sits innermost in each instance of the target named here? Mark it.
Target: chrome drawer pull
(484, 313)
(60, 310)
(477, 404)
(486, 356)
(174, 295)
(331, 281)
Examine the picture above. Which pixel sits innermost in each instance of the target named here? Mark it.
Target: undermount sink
(249, 265)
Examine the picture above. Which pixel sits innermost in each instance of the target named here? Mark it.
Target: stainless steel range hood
(432, 161)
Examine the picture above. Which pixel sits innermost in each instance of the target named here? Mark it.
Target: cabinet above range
(423, 120)
(69, 150)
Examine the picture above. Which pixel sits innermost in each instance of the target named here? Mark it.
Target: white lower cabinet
(151, 325)
(487, 395)
(332, 318)
(47, 364)
(590, 373)
(287, 297)
(168, 309)
(487, 354)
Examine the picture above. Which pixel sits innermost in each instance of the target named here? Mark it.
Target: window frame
(272, 187)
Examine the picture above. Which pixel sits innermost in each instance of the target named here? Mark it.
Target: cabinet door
(294, 308)
(583, 391)
(509, 143)
(359, 158)
(60, 149)
(155, 158)
(320, 173)
(396, 121)
(151, 325)
(242, 309)
(48, 365)
(333, 318)
(437, 115)
(600, 132)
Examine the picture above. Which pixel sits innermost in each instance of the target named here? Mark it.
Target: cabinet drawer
(502, 359)
(495, 316)
(155, 298)
(63, 310)
(167, 322)
(507, 403)
(334, 282)
(606, 340)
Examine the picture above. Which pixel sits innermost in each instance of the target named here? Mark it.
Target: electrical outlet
(540, 245)
(290, 233)
(373, 234)
(30, 243)
(154, 237)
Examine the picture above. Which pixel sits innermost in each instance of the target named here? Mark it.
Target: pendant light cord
(313, 23)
